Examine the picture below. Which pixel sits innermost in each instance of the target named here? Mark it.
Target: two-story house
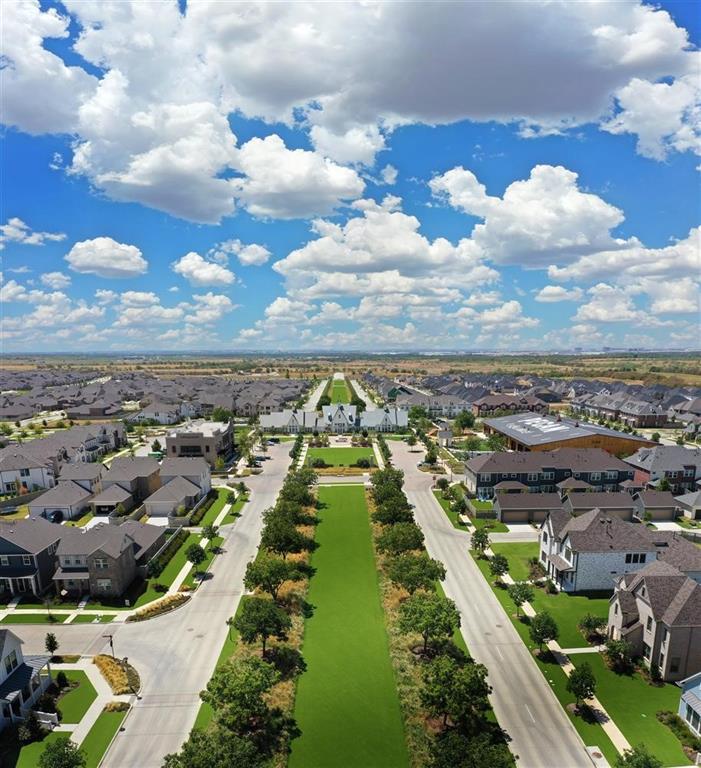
(542, 471)
(23, 679)
(127, 483)
(587, 553)
(658, 611)
(212, 440)
(27, 553)
(21, 473)
(679, 466)
(104, 560)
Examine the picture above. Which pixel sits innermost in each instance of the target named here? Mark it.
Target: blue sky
(399, 176)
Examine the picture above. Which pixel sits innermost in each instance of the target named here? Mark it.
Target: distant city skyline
(504, 177)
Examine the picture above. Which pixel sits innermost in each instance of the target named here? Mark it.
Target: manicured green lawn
(192, 580)
(211, 514)
(633, 704)
(89, 618)
(518, 555)
(567, 610)
(81, 521)
(591, 733)
(482, 506)
(339, 392)
(340, 457)
(346, 706)
(100, 735)
(28, 756)
(33, 618)
(76, 701)
(445, 504)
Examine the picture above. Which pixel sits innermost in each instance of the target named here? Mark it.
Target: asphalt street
(540, 731)
(175, 654)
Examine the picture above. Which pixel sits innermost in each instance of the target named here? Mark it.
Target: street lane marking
(498, 650)
(530, 714)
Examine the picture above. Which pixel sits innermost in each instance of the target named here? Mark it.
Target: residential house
(88, 476)
(542, 471)
(212, 440)
(66, 501)
(23, 679)
(197, 471)
(690, 505)
(658, 612)
(655, 505)
(158, 411)
(690, 703)
(139, 476)
(502, 403)
(587, 553)
(615, 504)
(21, 474)
(27, 550)
(525, 507)
(290, 421)
(679, 466)
(178, 494)
(103, 560)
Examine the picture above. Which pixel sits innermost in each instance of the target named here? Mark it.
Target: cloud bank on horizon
(222, 175)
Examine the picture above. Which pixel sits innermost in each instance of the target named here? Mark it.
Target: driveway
(541, 733)
(175, 654)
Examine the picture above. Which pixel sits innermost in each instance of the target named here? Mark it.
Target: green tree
(6, 429)
(431, 456)
(442, 484)
(663, 485)
(399, 538)
(195, 554)
(458, 506)
(498, 566)
(432, 616)
(417, 413)
(655, 437)
(210, 531)
(269, 574)
(455, 690)
(282, 537)
(496, 443)
(520, 593)
(543, 629)
(581, 683)
(216, 748)
(453, 749)
(411, 440)
(221, 414)
(156, 446)
(638, 757)
(62, 753)
(51, 643)
(619, 655)
(591, 626)
(480, 540)
(415, 571)
(261, 619)
(464, 420)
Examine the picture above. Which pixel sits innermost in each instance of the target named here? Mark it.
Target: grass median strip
(339, 457)
(100, 736)
(34, 618)
(347, 705)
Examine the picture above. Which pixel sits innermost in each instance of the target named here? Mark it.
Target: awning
(63, 575)
(11, 688)
(560, 563)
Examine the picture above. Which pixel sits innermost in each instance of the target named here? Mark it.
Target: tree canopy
(259, 619)
(432, 616)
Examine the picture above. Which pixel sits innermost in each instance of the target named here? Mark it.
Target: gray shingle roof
(64, 494)
(595, 531)
(177, 489)
(31, 535)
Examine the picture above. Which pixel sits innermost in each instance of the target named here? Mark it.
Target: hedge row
(156, 566)
(200, 512)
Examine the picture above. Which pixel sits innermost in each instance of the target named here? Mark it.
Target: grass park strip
(100, 736)
(494, 526)
(347, 705)
(34, 618)
(211, 514)
(339, 392)
(192, 580)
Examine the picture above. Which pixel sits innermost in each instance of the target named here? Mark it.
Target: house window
(643, 592)
(674, 664)
(101, 563)
(104, 585)
(636, 557)
(693, 718)
(545, 537)
(646, 651)
(532, 476)
(648, 623)
(568, 553)
(26, 560)
(548, 475)
(664, 635)
(4, 560)
(24, 473)
(206, 449)
(595, 476)
(615, 609)
(10, 661)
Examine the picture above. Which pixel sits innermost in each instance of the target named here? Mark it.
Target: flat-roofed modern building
(209, 439)
(534, 432)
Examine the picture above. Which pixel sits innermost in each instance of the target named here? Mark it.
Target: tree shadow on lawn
(288, 661)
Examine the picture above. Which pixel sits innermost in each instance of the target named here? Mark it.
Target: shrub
(121, 678)
(61, 679)
(317, 463)
(363, 462)
(680, 729)
(164, 605)
(156, 565)
(201, 511)
(160, 588)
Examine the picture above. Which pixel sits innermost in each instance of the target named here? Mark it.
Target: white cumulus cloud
(106, 257)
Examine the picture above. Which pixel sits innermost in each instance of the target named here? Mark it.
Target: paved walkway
(313, 399)
(362, 393)
(378, 456)
(104, 697)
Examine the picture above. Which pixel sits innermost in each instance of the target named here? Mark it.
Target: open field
(339, 391)
(347, 706)
(648, 368)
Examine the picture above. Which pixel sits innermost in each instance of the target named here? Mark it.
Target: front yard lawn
(14, 755)
(633, 703)
(518, 555)
(56, 602)
(233, 514)
(76, 701)
(81, 521)
(100, 735)
(33, 618)
(340, 457)
(567, 610)
(211, 514)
